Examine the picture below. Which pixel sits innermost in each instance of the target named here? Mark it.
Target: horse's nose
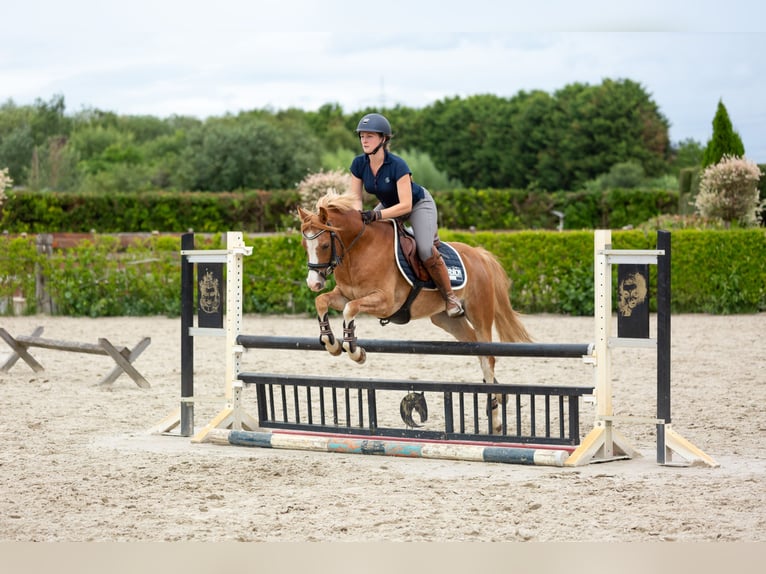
(315, 282)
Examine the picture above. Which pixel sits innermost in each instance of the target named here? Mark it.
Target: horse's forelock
(315, 221)
(333, 200)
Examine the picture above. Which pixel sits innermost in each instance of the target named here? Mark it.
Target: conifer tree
(725, 141)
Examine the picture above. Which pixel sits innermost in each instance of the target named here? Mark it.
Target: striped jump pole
(345, 444)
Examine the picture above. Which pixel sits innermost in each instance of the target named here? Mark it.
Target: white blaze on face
(314, 280)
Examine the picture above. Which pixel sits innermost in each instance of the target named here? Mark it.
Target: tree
(600, 126)
(26, 130)
(535, 140)
(247, 152)
(471, 140)
(724, 141)
(534, 149)
(685, 154)
(329, 125)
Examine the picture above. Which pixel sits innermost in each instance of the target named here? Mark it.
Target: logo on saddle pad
(455, 274)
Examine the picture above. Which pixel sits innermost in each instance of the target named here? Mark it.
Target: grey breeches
(425, 226)
(424, 222)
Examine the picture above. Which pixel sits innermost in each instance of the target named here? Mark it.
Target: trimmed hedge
(48, 212)
(513, 209)
(262, 211)
(713, 271)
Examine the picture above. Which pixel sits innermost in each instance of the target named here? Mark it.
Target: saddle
(409, 252)
(413, 270)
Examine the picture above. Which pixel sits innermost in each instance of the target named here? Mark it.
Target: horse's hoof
(358, 355)
(333, 348)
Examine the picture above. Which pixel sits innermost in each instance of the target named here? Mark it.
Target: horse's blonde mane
(340, 201)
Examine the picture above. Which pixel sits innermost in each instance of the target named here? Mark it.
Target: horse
(367, 280)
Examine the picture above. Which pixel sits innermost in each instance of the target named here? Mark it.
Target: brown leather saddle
(413, 270)
(409, 251)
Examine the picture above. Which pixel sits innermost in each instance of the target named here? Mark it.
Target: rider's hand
(370, 216)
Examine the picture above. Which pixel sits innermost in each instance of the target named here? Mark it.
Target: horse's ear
(323, 214)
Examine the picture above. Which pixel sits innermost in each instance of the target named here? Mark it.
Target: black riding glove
(370, 216)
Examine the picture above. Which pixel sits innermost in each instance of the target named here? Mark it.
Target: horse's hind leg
(462, 330)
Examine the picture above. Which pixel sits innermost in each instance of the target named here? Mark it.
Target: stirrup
(454, 308)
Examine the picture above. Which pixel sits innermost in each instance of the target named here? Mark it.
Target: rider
(388, 178)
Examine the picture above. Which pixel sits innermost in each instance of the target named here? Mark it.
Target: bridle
(327, 269)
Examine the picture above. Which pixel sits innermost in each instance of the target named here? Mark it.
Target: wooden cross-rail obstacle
(123, 356)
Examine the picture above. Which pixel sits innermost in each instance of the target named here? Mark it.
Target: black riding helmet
(375, 123)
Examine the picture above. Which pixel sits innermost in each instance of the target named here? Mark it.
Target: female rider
(389, 179)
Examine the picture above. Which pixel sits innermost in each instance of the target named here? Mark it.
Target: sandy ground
(77, 462)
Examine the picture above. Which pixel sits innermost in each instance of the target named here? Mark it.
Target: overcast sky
(188, 57)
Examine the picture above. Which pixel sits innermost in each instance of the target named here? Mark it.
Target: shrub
(5, 182)
(729, 190)
(628, 174)
(315, 185)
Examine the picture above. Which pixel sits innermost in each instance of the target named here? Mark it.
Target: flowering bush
(729, 190)
(5, 183)
(315, 185)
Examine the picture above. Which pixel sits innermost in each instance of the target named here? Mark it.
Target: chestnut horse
(367, 280)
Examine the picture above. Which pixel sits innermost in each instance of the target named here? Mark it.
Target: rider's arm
(356, 191)
(404, 207)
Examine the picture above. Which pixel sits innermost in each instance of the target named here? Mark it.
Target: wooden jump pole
(122, 356)
(346, 444)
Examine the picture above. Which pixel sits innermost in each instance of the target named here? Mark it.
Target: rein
(327, 269)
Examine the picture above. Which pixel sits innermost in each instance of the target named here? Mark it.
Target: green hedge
(261, 211)
(488, 209)
(47, 212)
(713, 271)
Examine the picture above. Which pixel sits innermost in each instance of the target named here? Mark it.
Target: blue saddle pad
(452, 260)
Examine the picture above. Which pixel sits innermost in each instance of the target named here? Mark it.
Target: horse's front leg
(333, 299)
(371, 304)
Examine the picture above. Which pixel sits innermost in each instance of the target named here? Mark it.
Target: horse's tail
(507, 320)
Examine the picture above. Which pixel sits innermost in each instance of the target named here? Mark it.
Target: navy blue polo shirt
(383, 185)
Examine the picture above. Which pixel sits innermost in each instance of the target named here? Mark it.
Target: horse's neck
(376, 239)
